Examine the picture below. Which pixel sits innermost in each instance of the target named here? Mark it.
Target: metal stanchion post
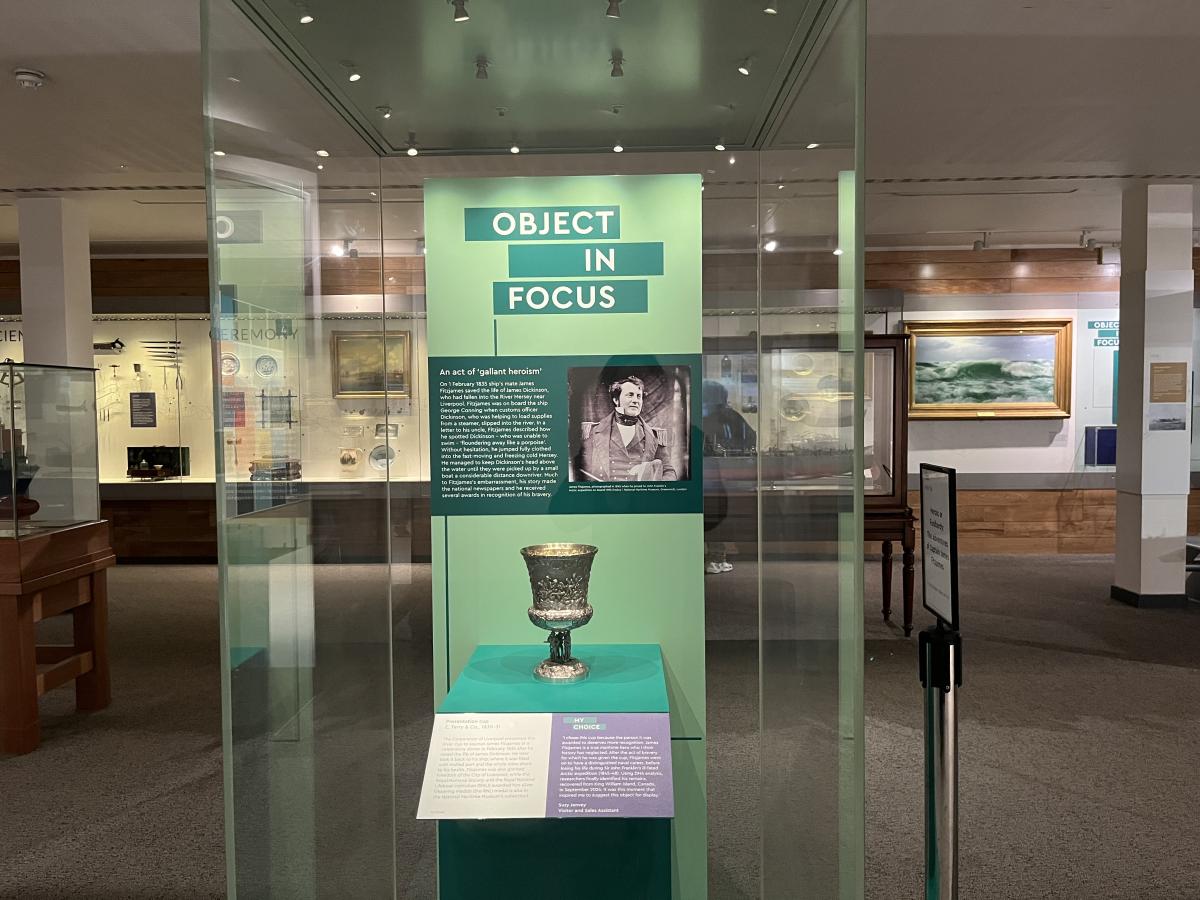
(941, 675)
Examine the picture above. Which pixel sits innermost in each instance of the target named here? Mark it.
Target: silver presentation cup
(558, 575)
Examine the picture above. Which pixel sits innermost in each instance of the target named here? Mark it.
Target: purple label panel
(615, 765)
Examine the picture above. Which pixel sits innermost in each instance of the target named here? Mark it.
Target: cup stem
(560, 646)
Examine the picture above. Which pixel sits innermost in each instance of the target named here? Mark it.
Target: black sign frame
(952, 477)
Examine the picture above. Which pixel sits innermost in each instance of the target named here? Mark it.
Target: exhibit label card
(939, 543)
(548, 765)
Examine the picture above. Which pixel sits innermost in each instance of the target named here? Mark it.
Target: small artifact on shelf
(558, 577)
(157, 463)
(275, 468)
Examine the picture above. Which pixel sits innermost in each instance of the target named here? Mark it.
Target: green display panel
(564, 327)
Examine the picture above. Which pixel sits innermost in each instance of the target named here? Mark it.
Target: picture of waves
(983, 369)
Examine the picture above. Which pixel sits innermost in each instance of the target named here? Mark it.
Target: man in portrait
(621, 446)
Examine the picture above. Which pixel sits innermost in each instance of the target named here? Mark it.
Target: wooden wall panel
(1070, 521)
(950, 272)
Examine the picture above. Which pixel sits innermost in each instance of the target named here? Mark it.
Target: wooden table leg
(19, 730)
(887, 580)
(93, 691)
(909, 544)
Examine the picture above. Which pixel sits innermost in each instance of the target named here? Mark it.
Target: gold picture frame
(981, 369)
(371, 364)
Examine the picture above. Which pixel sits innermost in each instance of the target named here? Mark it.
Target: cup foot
(567, 672)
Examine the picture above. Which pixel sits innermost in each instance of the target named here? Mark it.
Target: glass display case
(49, 469)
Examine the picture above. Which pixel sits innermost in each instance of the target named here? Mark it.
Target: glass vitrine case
(803, 438)
(48, 462)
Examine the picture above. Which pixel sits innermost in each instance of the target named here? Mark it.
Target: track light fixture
(771, 7)
(618, 64)
(481, 67)
(981, 244)
(719, 146)
(322, 153)
(838, 251)
(812, 146)
(515, 148)
(306, 19)
(614, 9)
(617, 148)
(460, 10)
(744, 66)
(771, 245)
(385, 111)
(412, 144)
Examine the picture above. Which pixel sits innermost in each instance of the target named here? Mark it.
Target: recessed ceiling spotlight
(322, 153)
(481, 67)
(515, 148)
(771, 245)
(779, 187)
(320, 167)
(233, 79)
(306, 19)
(812, 146)
(732, 160)
(719, 146)
(617, 148)
(385, 111)
(618, 63)
(837, 251)
(744, 66)
(460, 11)
(771, 7)
(412, 144)
(355, 76)
(218, 153)
(614, 9)
(29, 78)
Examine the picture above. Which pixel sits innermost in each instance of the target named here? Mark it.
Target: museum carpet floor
(1080, 727)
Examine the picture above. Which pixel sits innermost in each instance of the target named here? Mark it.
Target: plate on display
(230, 364)
(795, 408)
(380, 457)
(800, 365)
(266, 366)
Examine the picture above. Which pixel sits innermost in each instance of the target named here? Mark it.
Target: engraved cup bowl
(558, 576)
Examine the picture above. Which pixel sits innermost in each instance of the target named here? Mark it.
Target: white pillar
(56, 281)
(1154, 395)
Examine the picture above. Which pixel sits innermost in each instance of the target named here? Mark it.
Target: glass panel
(811, 540)
(878, 434)
(302, 508)
(329, 603)
(51, 449)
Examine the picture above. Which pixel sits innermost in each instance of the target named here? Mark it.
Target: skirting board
(1150, 601)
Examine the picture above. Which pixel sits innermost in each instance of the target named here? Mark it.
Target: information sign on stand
(940, 666)
(939, 543)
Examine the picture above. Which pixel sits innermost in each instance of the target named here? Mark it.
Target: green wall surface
(647, 580)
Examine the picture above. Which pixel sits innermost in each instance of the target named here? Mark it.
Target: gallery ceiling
(1022, 118)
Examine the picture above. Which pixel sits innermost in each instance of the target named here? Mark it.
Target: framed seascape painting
(372, 364)
(1007, 368)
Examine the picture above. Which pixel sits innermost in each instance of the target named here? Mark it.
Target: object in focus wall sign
(564, 335)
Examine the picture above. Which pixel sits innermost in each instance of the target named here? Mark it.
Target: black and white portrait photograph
(630, 423)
